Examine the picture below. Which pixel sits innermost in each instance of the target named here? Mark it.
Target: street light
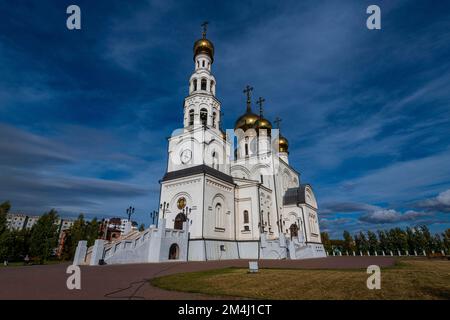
(164, 206)
(187, 211)
(130, 211)
(154, 216)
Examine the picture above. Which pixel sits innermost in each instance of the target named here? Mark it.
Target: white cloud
(390, 216)
(441, 203)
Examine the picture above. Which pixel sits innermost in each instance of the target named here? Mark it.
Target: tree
(6, 243)
(4, 209)
(411, 238)
(5, 237)
(383, 239)
(438, 245)
(326, 241)
(363, 243)
(337, 245)
(14, 244)
(399, 240)
(419, 240)
(372, 241)
(76, 233)
(80, 230)
(446, 240)
(428, 238)
(348, 242)
(92, 231)
(44, 236)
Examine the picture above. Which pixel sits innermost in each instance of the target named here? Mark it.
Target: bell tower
(201, 108)
(201, 140)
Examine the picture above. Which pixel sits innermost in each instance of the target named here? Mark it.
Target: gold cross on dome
(260, 103)
(277, 121)
(248, 91)
(204, 25)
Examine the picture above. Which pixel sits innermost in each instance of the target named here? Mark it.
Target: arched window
(191, 117)
(214, 119)
(246, 219)
(312, 224)
(219, 217)
(246, 146)
(195, 85)
(215, 160)
(204, 116)
(212, 86)
(179, 219)
(254, 145)
(203, 84)
(203, 63)
(294, 230)
(174, 252)
(262, 220)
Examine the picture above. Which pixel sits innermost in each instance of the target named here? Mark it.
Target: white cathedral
(225, 195)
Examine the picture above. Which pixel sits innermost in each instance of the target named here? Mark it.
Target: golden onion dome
(246, 121)
(262, 123)
(204, 46)
(283, 144)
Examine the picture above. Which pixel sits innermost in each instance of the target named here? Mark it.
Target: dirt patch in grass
(408, 279)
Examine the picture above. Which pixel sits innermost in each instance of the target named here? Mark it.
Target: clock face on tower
(186, 156)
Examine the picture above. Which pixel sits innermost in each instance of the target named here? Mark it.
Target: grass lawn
(22, 264)
(409, 279)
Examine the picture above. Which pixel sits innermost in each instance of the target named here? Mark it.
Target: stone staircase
(108, 245)
(151, 245)
(298, 249)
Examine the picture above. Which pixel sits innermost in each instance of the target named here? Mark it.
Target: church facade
(225, 195)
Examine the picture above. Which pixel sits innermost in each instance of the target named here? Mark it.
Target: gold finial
(260, 103)
(205, 28)
(277, 121)
(248, 91)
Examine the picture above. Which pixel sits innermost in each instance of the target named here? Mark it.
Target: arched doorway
(294, 230)
(174, 252)
(179, 219)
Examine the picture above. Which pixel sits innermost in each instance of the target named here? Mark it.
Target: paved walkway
(131, 281)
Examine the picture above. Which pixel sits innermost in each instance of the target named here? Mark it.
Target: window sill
(246, 231)
(219, 229)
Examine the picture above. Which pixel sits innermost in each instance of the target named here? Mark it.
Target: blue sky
(84, 115)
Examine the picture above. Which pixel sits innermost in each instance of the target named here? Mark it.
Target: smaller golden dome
(283, 144)
(262, 123)
(246, 121)
(223, 134)
(204, 46)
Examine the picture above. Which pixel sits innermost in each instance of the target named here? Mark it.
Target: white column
(97, 252)
(80, 253)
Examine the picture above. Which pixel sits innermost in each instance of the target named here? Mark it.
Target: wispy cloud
(391, 216)
(441, 203)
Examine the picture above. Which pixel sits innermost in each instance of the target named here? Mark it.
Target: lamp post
(164, 206)
(187, 211)
(130, 211)
(154, 216)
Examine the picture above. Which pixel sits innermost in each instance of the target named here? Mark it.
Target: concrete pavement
(132, 281)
